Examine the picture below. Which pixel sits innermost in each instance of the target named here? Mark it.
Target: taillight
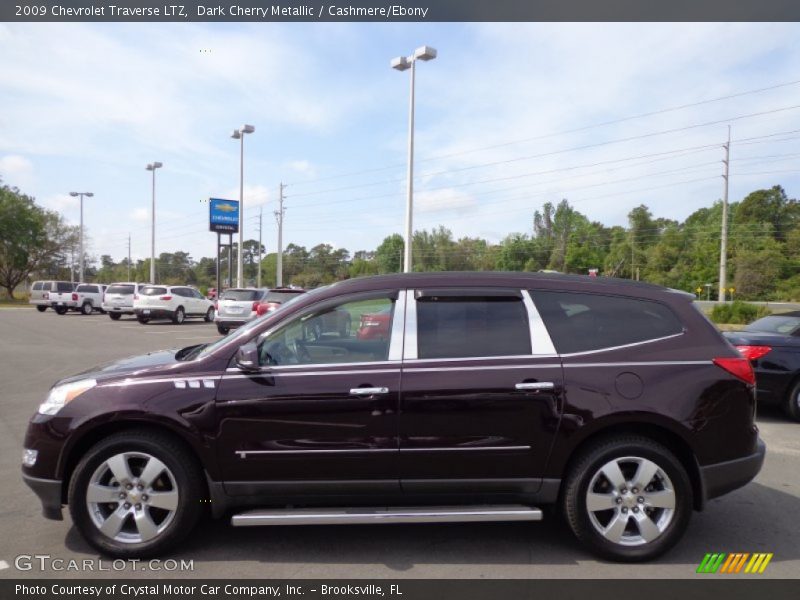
(166, 298)
(738, 367)
(74, 296)
(754, 352)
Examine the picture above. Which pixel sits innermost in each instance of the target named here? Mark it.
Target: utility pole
(260, 223)
(279, 216)
(129, 257)
(723, 245)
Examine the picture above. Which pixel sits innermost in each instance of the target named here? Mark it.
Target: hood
(150, 362)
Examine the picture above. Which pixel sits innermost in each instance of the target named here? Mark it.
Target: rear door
(481, 392)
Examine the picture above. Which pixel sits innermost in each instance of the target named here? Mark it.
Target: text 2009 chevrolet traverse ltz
(494, 394)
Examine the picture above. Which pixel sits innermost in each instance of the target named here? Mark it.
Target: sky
(508, 116)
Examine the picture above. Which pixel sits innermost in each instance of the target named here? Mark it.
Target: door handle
(369, 391)
(535, 385)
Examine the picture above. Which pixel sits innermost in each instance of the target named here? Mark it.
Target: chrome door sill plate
(400, 514)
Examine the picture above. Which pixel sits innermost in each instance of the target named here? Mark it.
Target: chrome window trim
(268, 373)
(398, 325)
(632, 344)
(479, 368)
(541, 342)
(420, 361)
(278, 368)
(410, 350)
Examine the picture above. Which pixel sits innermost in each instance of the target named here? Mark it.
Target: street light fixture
(152, 167)
(238, 134)
(88, 195)
(403, 63)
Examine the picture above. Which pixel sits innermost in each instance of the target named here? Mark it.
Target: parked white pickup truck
(60, 296)
(90, 297)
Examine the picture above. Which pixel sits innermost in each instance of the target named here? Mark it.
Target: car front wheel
(210, 315)
(135, 494)
(792, 404)
(223, 330)
(628, 499)
(86, 308)
(41, 308)
(179, 316)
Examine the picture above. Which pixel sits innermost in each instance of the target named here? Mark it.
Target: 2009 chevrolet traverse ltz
(493, 395)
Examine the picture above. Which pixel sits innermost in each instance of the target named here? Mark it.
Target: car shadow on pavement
(753, 519)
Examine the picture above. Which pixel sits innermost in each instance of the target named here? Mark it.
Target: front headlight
(60, 395)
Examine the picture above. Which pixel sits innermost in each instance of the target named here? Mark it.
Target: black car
(772, 344)
(492, 395)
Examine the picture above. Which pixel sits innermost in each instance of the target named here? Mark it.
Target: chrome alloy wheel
(132, 497)
(630, 501)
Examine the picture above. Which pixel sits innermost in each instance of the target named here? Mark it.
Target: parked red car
(275, 297)
(375, 326)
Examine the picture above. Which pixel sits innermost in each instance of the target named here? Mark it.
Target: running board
(400, 514)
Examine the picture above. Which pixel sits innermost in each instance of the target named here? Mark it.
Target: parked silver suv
(118, 299)
(236, 307)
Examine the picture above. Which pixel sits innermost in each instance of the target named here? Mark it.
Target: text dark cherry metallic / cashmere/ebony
(437, 397)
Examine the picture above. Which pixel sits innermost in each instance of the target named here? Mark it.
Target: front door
(321, 415)
(479, 409)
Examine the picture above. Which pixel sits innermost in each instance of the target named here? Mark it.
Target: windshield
(119, 289)
(279, 297)
(782, 324)
(246, 331)
(242, 295)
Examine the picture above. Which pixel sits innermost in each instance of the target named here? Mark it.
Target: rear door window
(579, 322)
(471, 326)
(37, 286)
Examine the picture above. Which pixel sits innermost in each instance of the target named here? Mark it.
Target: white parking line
(3, 565)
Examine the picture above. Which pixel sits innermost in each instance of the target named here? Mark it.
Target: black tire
(41, 307)
(209, 318)
(792, 403)
(114, 316)
(179, 316)
(142, 319)
(223, 330)
(86, 308)
(588, 466)
(60, 310)
(184, 472)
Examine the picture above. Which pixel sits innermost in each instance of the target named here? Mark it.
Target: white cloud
(140, 214)
(16, 170)
(61, 202)
(444, 200)
(254, 195)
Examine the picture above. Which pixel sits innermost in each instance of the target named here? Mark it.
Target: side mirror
(247, 357)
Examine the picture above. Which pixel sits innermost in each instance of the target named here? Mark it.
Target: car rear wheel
(114, 316)
(142, 320)
(136, 494)
(210, 315)
(628, 499)
(179, 316)
(792, 403)
(86, 308)
(41, 308)
(223, 330)
(61, 310)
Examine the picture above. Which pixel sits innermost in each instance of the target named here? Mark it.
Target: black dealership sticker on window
(403, 10)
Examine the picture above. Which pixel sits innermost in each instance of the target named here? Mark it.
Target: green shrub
(737, 312)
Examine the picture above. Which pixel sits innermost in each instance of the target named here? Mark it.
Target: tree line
(763, 250)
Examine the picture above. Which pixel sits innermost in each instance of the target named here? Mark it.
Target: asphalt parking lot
(38, 348)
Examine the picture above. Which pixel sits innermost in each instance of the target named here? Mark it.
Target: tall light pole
(723, 243)
(238, 134)
(152, 167)
(80, 261)
(402, 63)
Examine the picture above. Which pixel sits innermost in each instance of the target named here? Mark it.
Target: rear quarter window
(37, 286)
(153, 291)
(579, 322)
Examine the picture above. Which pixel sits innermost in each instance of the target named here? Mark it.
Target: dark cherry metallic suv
(492, 395)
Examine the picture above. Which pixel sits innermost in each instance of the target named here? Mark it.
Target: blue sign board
(223, 215)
